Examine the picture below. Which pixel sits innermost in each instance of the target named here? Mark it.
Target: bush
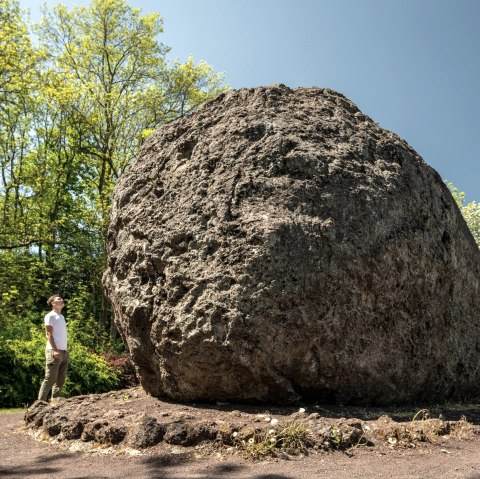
(22, 366)
(123, 367)
(21, 370)
(88, 373)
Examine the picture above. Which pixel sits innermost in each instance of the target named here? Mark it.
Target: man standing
(56, 350)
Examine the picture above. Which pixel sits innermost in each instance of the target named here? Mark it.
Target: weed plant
(293, 438)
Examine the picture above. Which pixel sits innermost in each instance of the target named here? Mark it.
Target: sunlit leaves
(75, 106)
(470, 211)
(17, 58)
(191, 84)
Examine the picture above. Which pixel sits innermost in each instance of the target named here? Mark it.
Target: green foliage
(88, 373)
(470, 211)
(22, 366)
(17, 56)
(75, 106)
(21, 369)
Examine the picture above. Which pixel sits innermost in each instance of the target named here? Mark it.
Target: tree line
(79, 93)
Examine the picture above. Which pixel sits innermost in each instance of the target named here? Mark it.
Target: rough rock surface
(278, 245)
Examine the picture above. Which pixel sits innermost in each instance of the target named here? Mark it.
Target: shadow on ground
(43, 466)
(164, 466)
(450, 412)
(158, 467)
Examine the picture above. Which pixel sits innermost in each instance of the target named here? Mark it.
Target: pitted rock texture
(278, 245)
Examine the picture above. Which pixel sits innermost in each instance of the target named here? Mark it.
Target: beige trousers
(55, 374)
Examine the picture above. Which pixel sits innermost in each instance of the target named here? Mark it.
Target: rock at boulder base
(277, 245)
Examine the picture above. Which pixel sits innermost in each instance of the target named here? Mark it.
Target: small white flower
(272, 431)
(251, 440)
(301, 410)
(274, 422)
(273, 439)
(235, 434)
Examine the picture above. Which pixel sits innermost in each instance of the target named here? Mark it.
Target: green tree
(17, 58)
(112, 73)
(73, 112)
(470, 211)
(108, 75)
(17, 62)
(19, 269)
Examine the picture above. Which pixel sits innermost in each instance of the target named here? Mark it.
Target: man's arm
(49, 331)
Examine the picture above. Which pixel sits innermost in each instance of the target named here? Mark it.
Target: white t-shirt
(57, 322)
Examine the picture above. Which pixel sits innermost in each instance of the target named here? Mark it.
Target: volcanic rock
(181, 434)
(146, 432)
(35, 414)
(277, 245)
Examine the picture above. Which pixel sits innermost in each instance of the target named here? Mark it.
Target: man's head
(56, 302)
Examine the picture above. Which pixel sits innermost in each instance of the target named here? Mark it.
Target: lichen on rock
(278, 245)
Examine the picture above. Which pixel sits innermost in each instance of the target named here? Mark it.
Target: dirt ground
(395, 442)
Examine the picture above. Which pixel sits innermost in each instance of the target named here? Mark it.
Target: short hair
(52, 298)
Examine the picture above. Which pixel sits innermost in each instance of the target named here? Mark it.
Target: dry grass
(422, 429)
(294, 438)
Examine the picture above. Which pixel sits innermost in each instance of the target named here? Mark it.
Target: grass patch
(293, 438)
(12, 409)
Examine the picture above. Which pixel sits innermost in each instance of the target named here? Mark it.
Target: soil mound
(278, 245)
(132, 422)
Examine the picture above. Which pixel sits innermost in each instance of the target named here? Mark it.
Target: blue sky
(413, 66)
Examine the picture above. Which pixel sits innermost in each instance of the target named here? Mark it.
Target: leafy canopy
(75, 106)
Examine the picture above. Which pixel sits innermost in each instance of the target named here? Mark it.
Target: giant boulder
(277, 245)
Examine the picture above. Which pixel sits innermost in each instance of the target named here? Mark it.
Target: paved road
(23, 458)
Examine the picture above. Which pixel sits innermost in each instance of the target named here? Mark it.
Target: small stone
(90, 429)
(52, 423)
(145, 432)
(111, 434)
(176, 433)
(189, 435)
(72, 429)
(36, 412)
